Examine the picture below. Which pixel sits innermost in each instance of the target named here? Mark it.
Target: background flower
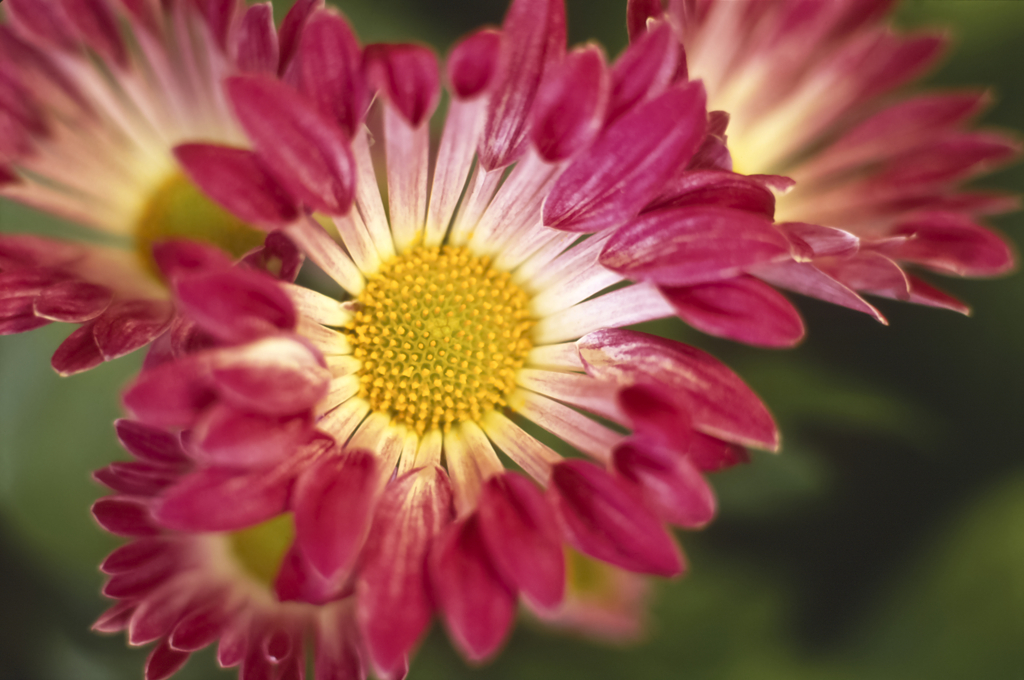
(883, 543)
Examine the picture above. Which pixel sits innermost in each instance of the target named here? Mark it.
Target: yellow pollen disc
(441, 336)
(180, 210)
(260, 549)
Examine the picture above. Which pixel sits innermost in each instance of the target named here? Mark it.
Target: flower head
(93, 97)
(808, 89)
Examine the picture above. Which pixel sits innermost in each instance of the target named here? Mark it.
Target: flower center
(179, 210)
(441, 335)
(260, 549)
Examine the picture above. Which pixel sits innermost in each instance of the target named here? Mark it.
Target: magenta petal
(298, 581)
(42, 20)
(276, 376)
(124, 516)
(475, 603)
(96, 24)
(79, 352)
(687, 246)
(518, 527)
(156, 616)
(117, 618)
(238, 180)
(718, 401)
(127, 326)
(306, 151)
(717, 188)
(627, 167)
(279, 257)
(136, 478)
(132, 555)
(72, 301)
(671, 484)
(711, 454)
(149, 443)
(950, 243)
(18, 316)
(870, 272)
(644, 70)
(408, 76)
(637, 14)
(393, 605)
(805, 278)
(218, 499)
(236, 305)
(333, 506)
(170, 395)
(200, 627)
(533, 37)
(330, 70)
(603, 518)
(163, 662)
(337, 652)
(742, 309)
(256, 49)
(655, 416)
(812, 240)
(472, 63)
(228, 437)
(179, 257)
(570, 105)
(292, 29)
(141, 580)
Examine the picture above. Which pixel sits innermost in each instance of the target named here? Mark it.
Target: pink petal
(238, 180)
(219, 16)
(170, 395)
(711, 454)
(604, 518)
(719, 403)
(533, 38)
(156, 616)
(275, 376)
(742, 309)
(637, 14)
(17, 316)
(279, 257)
(308, 154)
(139, 581)
(408, 76)
(330, 70)
(672, 484)
(72, 301)
(128, 325)
(870, 273)
(228, 437)
(96, 24)
(200, 627)
(393, 606)
(149, 443)
(236, 305)
(805, 278)
(334, 501)
(135, 478)
(687, 246)
(44, 21)
(124, 516)
(337, 652)
(178, 257)
(79, 352)
(298, 581)
(473, 62)
(655, 417)
(163, 662)
(644, 70)
(570, 105)
(137, 553)
(522, 539)
(476, 604)
(293, 28)
(716, 188)
(256, 49)
(950, 243)
(812, 240)
(115, 619)
(628, 165)
(923, 293)
(218, 499)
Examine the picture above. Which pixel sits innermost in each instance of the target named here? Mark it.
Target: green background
(885, 541)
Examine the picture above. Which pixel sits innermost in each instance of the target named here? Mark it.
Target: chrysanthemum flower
(94, 95)
(486, 405)
(808, 88)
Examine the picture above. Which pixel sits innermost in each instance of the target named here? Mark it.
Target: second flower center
(441, 335)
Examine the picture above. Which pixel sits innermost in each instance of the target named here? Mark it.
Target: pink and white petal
(687, 246)
(806, 279)
(623, 307)
(219, 499)
(462, 128)
(602, 517)
(671, 484)
(239, 181)
(303, 149)
(331, 71)
(563, 356)
(322, 250)
(742, 309)
(337, 653)
(576, 389)
(524, 449)
(470, 461)
(475, 603)
(573, 427)
(408, 170)
(96, 24)
(393, 605)
(718, 401)
(72, 301)
(533, 38)
(334, 502)
(611, 181)
(522, 538)
(321, 308)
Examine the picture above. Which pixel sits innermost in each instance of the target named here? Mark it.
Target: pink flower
(389, 419)
(94, 95)
(808, 89)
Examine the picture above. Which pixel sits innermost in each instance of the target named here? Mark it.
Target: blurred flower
(807, 86)
(93, 96)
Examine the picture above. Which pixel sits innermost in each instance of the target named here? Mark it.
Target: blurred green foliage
(886, 541)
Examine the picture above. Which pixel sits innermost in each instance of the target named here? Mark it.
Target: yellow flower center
(441, 335)
(180, 210)
(260, 549)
